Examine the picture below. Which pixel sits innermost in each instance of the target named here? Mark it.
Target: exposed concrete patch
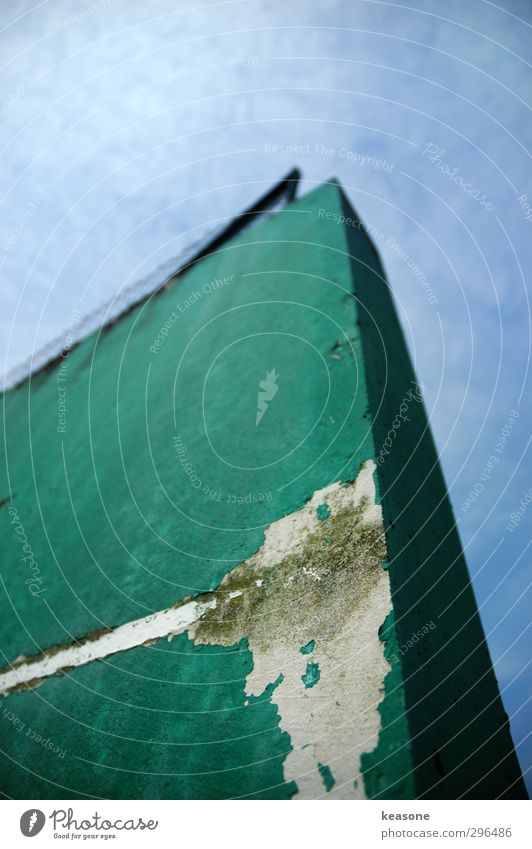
(320, 582)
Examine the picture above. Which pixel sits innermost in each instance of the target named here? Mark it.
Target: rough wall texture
(222, 442)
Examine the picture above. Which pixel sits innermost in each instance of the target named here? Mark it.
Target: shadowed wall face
(197, 448)
(460, 740)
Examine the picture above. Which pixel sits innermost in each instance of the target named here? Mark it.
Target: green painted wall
(159, 482)
(155, 722)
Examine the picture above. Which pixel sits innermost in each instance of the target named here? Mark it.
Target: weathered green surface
(162, 482)
(155, 723)
(114, 522)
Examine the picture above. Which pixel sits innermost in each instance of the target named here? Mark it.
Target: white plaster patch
(335, 720)
(290, 531)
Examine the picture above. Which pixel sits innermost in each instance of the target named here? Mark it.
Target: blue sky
(131, 128)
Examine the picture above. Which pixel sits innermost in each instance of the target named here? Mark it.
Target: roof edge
(282, 193)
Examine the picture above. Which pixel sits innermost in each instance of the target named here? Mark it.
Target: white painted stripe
(164, 623)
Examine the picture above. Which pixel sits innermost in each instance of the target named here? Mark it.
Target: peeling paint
(337, 719)
(311, 675)
(323, 512)
(309, 648)
(327, 776)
